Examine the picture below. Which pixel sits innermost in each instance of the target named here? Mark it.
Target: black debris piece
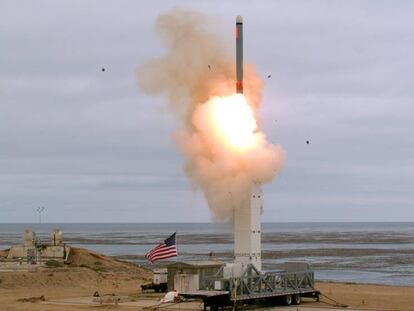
(269, 76)
(307, 142)
(209, 67)
(103, 69)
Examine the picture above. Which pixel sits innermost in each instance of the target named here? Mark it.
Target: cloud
(80, 141)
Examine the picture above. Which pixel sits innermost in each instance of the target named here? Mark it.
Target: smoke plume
(197, 76)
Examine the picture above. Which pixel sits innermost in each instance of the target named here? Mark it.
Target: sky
(90, 146)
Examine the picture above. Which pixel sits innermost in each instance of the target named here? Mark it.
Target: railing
(253, 283)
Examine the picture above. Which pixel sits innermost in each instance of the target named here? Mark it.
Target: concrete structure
(35, 251)
(160, 276)
(186, 282)
(29, 238)
(247, 230)
(57, 237)
(188, 270)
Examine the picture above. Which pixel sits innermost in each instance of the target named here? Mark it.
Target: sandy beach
(90, 272)
(81, 283)
(370, 296)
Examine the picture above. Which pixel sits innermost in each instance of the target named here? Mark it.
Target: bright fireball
(233, 121)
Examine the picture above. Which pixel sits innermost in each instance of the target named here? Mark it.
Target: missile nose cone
(239, 19)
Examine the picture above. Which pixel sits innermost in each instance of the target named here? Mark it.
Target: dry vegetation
(3, 253)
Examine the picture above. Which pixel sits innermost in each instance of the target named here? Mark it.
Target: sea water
(380, 253)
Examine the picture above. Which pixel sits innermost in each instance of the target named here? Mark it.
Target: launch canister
(239, 54)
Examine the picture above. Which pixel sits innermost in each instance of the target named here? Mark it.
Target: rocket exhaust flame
(219, 136)
(233, 122)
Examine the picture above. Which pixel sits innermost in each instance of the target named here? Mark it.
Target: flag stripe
(164, 250)
(172, 252)
(158, 247)
(163, 255)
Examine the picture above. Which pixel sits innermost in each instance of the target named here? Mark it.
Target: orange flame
(233, 121)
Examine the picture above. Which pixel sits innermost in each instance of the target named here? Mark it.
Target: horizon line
(202, 222)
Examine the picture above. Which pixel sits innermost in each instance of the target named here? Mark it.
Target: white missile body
(247, 224)
(247, 229)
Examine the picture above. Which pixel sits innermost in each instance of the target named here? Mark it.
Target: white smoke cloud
(195, 73)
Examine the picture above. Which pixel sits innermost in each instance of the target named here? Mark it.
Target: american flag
(167, 249)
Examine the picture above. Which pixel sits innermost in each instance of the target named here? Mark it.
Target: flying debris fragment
(209, 67)
(269, 76)
(307, 142)
(103, 69)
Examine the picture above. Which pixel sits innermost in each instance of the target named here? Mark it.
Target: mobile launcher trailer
(286, 286)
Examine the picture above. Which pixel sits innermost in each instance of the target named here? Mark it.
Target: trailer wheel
(296, 299)
(287, 300)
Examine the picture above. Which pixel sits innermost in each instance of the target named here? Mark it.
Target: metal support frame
(253, 284)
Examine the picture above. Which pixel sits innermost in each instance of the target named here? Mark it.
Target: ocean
(379, 253)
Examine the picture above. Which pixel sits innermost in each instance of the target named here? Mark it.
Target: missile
(239, 54)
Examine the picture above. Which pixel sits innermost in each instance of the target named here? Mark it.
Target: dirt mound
(51, 278)
(80, 257)
(86, 273)
(84, 258)
(85, 269)
(4, 253)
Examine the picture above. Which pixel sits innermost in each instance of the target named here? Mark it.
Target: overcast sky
(91, 147)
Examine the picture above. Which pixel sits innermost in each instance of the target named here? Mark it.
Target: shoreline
(127, 259)
(362, 283)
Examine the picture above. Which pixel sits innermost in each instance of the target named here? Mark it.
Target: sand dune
(87, 272)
